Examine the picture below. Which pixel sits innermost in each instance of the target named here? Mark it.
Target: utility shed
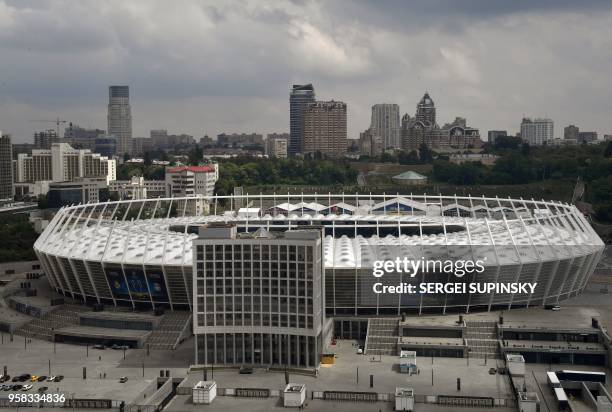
(516, 364)
(204, 392)
(294, 395)
(404, 399)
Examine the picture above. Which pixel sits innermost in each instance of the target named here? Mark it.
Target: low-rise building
(191, 180)
(276, 145)
(138, 188)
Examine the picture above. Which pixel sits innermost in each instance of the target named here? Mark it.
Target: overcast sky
(202, 67)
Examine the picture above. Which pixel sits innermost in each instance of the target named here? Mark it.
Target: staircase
(482, 340)
(43, 327)
(383, 335)
(167, 333)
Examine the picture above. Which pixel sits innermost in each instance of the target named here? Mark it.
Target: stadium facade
(139, 253)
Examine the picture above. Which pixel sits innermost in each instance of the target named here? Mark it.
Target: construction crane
(57, 122)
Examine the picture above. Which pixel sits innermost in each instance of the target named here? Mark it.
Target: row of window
(254, 320)
(255, 252)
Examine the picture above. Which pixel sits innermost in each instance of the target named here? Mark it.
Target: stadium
(138, 253)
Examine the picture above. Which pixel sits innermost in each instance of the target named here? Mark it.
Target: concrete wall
(20, 267)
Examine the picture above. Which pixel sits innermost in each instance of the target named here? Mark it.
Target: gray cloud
(207, 67)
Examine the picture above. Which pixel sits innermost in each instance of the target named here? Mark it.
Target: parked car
(4, 378)
(245, 371)
(101, 347)
(43, 389)
(41, 378)
(492, 371)
(556, 308)
(58, 378)
(34, 378)
(123, 379)
(16, 387)
(26, 388)
(51, 378)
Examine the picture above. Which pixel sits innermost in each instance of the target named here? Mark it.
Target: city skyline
(490, 63)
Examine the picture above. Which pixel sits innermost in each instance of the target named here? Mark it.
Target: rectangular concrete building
(258, 297)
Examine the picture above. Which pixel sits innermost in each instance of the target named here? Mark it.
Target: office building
(120, 117)
(62, 163)
(82, 138)
(138, 188)
(492, 135)
(80, 191)
(537, 131)
(325, 129)
(105, 146)
(386, 124)
(185, 181)
(44, 139)
(276, 145)
(259, 297)
(571, 132)
(7, 190)
(299, 99)
(370, 144)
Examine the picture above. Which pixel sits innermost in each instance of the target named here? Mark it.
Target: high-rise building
(44, 139)
(299, 99)
(423, 129)
(62, 163)
(259, 297)
(276, 144)
(537, 132)
(571, 132)
(325, 129)
(120, 117)
(494, 134)
(370, 144)
(386, 124)
(81, 138)
(426, 111)
(7, 189)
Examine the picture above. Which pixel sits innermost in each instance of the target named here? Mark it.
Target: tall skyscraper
(6, 168)
(426, 111)
(423, 129)
(537, 132)
(386, 124)
(120, 117)
(325, 129)
(299, 98)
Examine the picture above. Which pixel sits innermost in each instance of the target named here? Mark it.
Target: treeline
(414, 157)
(249, 171)
(522, 164)
(18, 237)
(150, 172)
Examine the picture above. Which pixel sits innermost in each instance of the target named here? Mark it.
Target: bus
(581, 376)
(553, 381)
